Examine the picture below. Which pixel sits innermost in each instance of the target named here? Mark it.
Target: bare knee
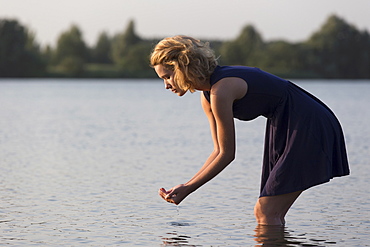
(267, 215)
(271, 210)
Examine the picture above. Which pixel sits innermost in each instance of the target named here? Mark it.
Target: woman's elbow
(229, 156)
(232, 157)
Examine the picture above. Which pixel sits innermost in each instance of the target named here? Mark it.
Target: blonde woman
(304, 142)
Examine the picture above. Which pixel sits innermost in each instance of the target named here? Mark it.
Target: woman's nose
(167, 86)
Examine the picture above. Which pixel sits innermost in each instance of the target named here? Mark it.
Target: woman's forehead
(162, 70)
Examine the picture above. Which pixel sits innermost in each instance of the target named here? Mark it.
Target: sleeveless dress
(304, 142)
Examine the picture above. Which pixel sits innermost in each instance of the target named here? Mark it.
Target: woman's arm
(213, 128)
(221, 120)
(167, 195)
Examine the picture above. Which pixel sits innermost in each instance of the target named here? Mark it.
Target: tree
(71, 52)
(284, 59)
(136, 61)
(339, 50)
(244, 50)
(19, 53)
(122, 43)
(102, 51)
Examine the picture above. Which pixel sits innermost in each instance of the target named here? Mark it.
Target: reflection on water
(273, 235)
(282, 236)
(279, 236)
(179, 223)
(174, 239)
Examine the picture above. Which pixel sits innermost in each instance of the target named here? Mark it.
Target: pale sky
(292, 20)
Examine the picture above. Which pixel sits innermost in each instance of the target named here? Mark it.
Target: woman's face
(168, 79)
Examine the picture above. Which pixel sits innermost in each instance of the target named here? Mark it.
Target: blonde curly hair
(191, 60)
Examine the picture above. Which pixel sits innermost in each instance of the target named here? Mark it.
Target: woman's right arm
(216, 150)
(213, 127)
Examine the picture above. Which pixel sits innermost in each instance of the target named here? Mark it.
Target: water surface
(81, 162)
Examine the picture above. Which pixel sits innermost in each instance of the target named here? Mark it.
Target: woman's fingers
(162, 192)
(174, 195)
(166, 195)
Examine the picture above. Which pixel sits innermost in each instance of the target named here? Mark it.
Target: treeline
(336, 50)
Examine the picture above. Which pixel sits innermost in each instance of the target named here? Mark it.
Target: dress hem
(303, 188)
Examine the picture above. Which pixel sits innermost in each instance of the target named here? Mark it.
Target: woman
(304, 142)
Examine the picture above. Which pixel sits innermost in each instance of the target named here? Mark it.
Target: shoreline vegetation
(337, 50)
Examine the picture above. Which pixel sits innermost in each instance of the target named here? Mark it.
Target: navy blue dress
(304, 142)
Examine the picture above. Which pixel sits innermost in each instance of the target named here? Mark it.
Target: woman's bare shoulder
(230, 87)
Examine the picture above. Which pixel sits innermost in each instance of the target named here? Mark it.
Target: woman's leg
(271, 210)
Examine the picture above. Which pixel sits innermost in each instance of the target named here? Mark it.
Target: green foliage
(336, 50)
(71, 52)
(102, 50)
(72, 66)
(131, 53)
(284, 59)
(71, 43)
(99, 70)
(123, 42)
(136, 60)
(19, 54)
(339, 50)
(245, 49)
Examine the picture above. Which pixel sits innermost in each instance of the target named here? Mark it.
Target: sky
(291, 20)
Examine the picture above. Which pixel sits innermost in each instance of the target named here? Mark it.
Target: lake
(81, 162)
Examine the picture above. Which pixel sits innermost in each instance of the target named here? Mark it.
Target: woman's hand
(174, 195)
